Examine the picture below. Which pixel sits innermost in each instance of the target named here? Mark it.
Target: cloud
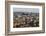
(34, 10)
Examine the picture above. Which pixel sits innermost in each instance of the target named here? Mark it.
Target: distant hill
(25, 13)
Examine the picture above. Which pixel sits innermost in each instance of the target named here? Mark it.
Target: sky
(34, 10)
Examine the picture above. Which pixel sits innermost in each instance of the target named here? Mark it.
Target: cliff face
(25, 19)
